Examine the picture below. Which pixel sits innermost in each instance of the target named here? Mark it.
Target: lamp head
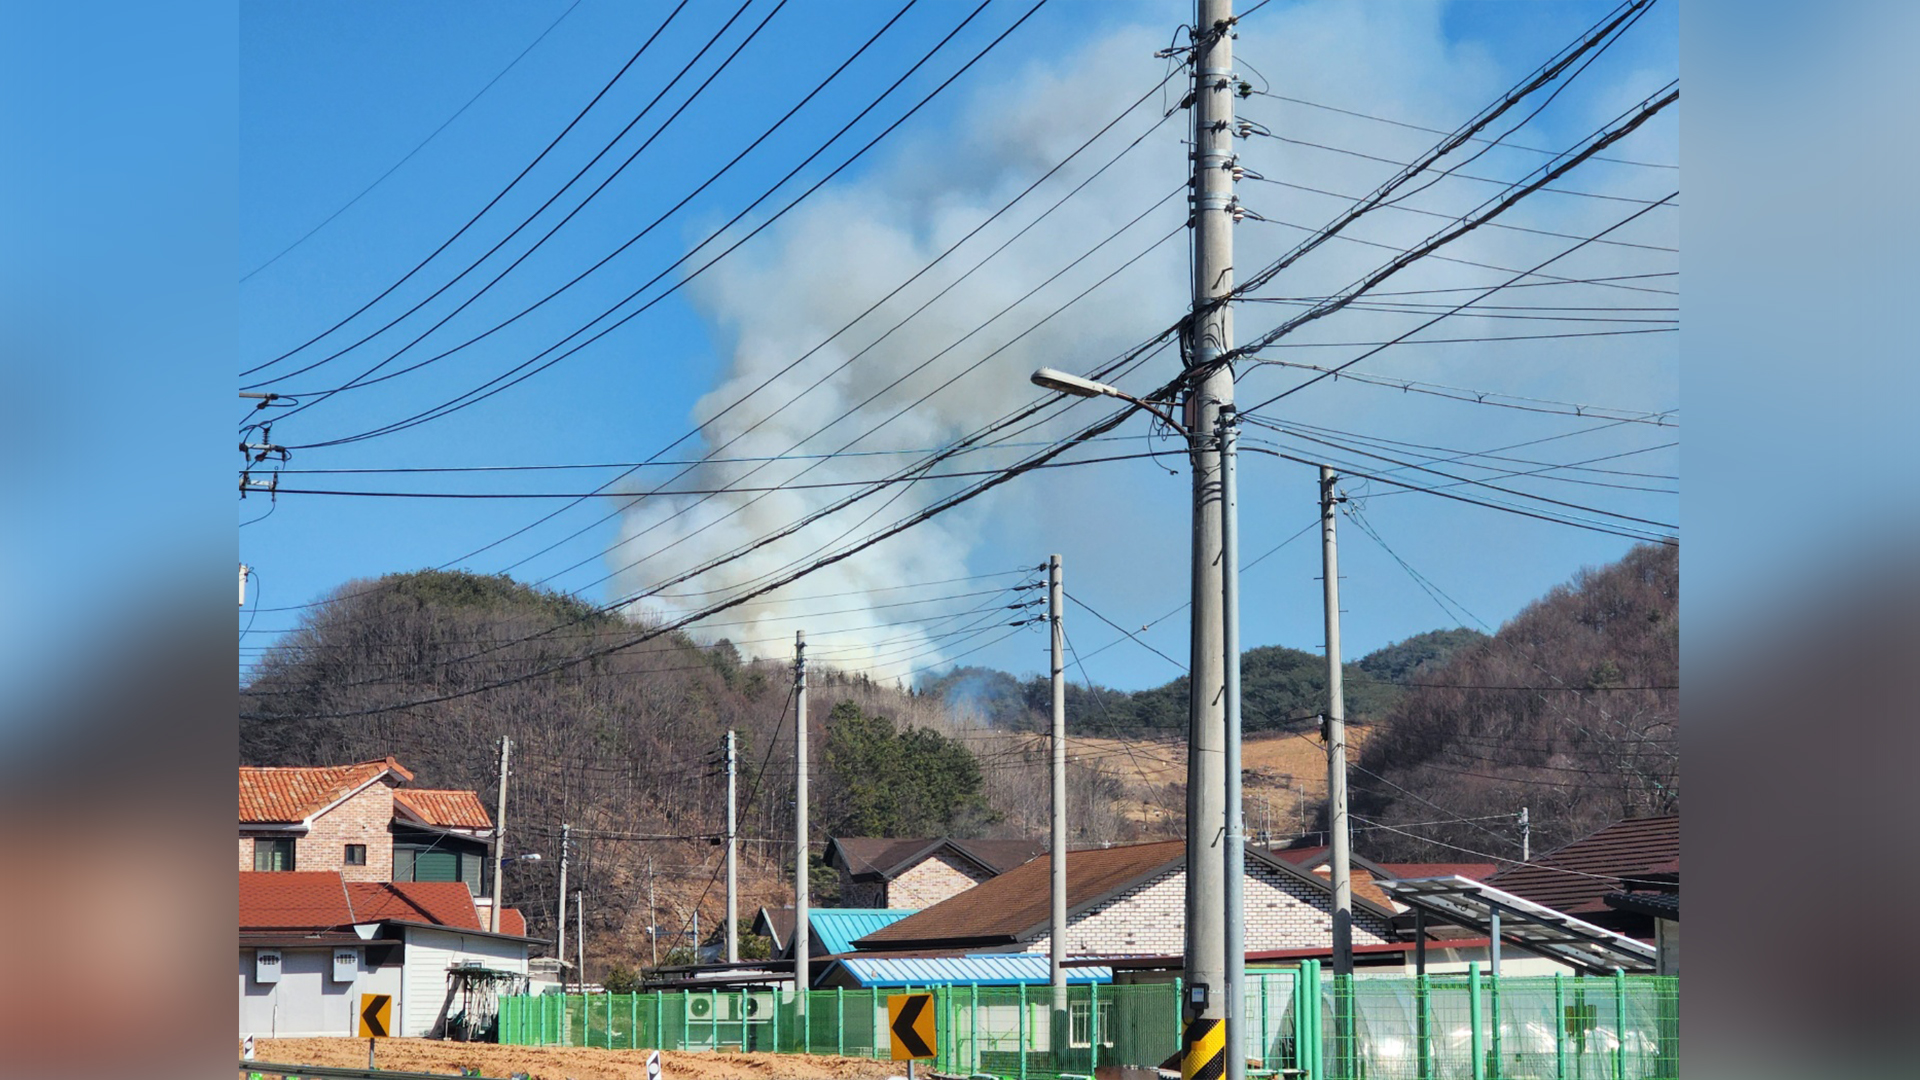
(1051, 379)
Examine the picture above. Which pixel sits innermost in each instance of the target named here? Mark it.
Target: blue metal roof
(836, 929)
(987, 969)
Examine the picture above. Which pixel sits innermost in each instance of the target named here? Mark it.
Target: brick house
(362, 822)
(918, 872)
(1128, 899)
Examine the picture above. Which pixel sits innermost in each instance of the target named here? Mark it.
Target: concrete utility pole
(733, 853)
(1210, 385)
(499, 836)
(653, 917)
(802, 966)
(560, 935)
(1340, 852)
(1526, 836)
(580, 945)
(1235, 862)
(1057, 845)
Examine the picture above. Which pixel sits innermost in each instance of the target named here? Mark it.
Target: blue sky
(331, 97)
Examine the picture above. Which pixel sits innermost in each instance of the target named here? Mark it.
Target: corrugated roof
(446, 809)
(834, 930)
(286, 796)
(1575, 879)
(993, 969)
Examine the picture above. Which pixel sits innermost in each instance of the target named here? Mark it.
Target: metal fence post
(1023, 1031)
(1093, 1025)
(1478, 1040)
(973, 1022)
(1493, 1027)
(1423, 1033)
(1619, 1023)
(1559, 1026)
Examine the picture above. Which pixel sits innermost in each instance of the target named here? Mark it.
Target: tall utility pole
(560, 936)
(1235, 862)
(1526, 836)
(653, 916)
(1057, 844)
(499, 837)
(1337, 825)
(733, 852)
(802, 936)
(1209, 386)
(580, 933)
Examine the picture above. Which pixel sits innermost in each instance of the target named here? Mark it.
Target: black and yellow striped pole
(1203, 1050)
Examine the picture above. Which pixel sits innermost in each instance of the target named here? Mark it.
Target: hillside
(625, 745)
(1571, 710)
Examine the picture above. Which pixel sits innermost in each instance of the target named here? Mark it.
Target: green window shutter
(436, 866)
(402, 864)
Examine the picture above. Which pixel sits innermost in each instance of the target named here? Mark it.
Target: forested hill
(1572, 710)
(1282, 689)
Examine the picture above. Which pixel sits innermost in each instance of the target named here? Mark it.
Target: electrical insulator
(1239, 173)
(1239, 212)
(1244, 130)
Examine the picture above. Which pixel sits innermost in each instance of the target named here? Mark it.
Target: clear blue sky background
(332, 96)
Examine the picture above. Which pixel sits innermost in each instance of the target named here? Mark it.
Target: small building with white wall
(312, 942)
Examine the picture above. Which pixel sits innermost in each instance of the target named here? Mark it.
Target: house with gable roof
(1125, 900)
(918, 872)
(312, 941)
(363, 822)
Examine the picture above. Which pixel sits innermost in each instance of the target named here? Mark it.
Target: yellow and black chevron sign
(1204, 1050)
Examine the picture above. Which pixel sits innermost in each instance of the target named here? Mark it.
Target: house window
(273, 853)
(1080, 1027)
(356, 854)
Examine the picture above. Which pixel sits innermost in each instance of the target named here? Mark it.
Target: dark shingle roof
(885, 858)
(1576, 878)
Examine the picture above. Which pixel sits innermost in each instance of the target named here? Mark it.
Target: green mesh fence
(1453, 1027)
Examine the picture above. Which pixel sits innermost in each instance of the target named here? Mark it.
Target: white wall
(430, 952)
(306, 1001)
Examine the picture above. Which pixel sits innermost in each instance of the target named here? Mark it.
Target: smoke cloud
(854, 242)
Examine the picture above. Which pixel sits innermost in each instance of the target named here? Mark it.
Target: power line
(421, 145)
(366, 378)
(527, 369)
(581, 115)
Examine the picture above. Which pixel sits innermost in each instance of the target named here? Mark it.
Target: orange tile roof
(447, 809)
(1362, 883)
(320, 900)
(284, 796)
(512, 921)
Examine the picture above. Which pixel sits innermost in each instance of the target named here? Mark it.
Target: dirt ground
(566, 1062)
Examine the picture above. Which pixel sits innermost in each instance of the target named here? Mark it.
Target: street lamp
(1051, 379)
(1234, 853)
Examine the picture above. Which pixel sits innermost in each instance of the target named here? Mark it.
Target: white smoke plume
(854, 242)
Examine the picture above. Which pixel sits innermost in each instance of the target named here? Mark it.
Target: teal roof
(836, 929)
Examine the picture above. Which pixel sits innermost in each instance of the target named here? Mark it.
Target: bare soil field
(566, 1062)
(1286, 775)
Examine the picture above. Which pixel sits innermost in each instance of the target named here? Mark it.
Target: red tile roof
(1301, 856)
(1360, 880)
(512, 921)
(320, 900)
(447, 809)
(284, 796)
(1575, 879)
